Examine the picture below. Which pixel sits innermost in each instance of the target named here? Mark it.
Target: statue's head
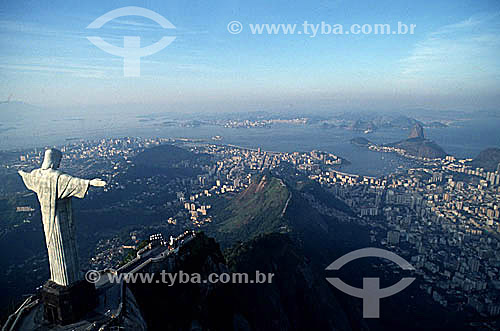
(52, 159)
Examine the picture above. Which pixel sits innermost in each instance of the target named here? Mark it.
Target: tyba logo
(371, 293)
(131, 50)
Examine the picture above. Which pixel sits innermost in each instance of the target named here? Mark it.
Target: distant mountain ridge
(417, 131)
(417, 145)
(372, 122)
(422, 148)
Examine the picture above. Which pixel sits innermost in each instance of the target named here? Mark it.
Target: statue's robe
(54, 190)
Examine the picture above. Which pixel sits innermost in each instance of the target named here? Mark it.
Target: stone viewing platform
(116, 305)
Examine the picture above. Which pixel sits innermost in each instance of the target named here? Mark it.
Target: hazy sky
(451, 62)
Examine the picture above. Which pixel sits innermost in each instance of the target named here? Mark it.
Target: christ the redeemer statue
(54, 190)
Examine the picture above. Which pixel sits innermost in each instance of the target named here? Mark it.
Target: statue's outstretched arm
(96, 182)
(27, 179)
(69, 186)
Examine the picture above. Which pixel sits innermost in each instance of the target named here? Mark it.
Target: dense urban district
(442, 216)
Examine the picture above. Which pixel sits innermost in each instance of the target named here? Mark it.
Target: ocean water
(464, 139)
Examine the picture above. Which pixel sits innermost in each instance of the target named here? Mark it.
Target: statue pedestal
(67, 304)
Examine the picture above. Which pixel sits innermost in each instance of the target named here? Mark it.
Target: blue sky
(451, 62)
